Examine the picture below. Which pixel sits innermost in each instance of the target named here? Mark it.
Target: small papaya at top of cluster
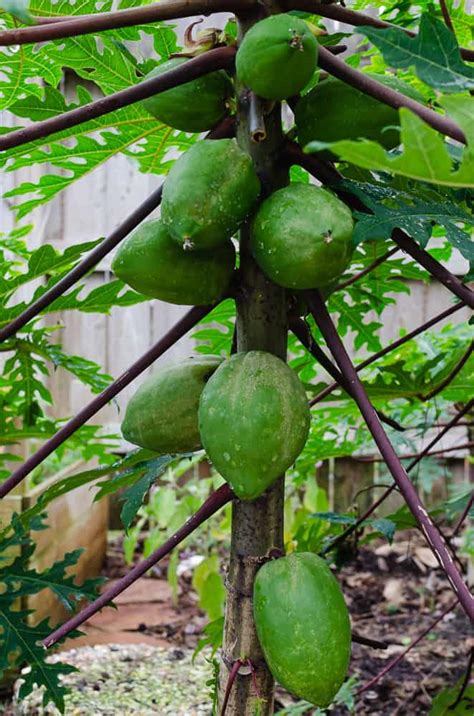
(277, 57)
(195, 106)
(209, 192)
(333, 110)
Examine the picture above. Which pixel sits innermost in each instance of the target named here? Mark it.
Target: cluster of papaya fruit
(250, 411)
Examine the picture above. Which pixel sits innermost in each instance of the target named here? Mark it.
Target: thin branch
(366, 84)
(224, 129)
(351, 17)
(188, 321)
(399, 474)
(214, 502)
(72, 26)
(454, 448)
(391, 664)
(375, 264)
(393, 346)
(446, 16)
(230, 682)
(355, 526)
(462, 517)
(220, 58)
(433, 267)
(303, 333)
(367, 641)
(449, 378)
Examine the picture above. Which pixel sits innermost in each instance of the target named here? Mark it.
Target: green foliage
(19, 637)
(446, 702)
(433, 53)
(425, 156)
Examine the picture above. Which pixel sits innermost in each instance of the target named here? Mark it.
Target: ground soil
(393, 593)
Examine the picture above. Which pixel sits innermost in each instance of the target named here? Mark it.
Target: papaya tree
(379, 160)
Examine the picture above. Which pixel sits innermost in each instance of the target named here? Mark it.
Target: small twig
(214, 502)
(253, 673)
(465, 681)
(446, 16)
(391, 664)
(462, 517)
(188, 321)
(392, 347)
(303, 333)
(356, 525)
(257, 130)
(449, 378)
(72, 26)
(363, 82)
(336, 49)
(230, 682)
(453, 448)
(220, 58)
(367, 641)
(399, 474)
(368, 269)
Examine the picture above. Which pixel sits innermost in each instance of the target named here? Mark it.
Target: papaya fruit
(333, 110)
(153, 264)
(253, 420)
(163, 413)
(208, 193)
(302, 237)
(277, 57)
(303, 626)
(193, 107)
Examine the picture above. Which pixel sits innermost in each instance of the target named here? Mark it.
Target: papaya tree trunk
(257, 526)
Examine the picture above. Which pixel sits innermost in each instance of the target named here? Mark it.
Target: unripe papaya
(277, 57)
(193, 107)
(163, 414)
(303, 626)
(152, 263)
(302, 237)
(208, 193)
(254, 420)
(334, 110)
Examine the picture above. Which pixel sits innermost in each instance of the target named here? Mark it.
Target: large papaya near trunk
(208, 193)
(277, 57)
(163, 414)
(193, 107)
(303, 626)
(334, 110)
(152, 263)
(302, 237)
(254, 421)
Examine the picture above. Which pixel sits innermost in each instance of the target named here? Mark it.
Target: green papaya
(334, 110)
(163, 414)
(303, 626)
(152, 263)
(302, 237)
(254, 420)
(193, 107)
(208, 193)
(277, 57)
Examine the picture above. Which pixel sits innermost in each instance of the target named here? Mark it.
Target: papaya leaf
(134, 497)
(433, 54)
(415, 213)
(425, 155)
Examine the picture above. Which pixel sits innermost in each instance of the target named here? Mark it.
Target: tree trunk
(257, 526)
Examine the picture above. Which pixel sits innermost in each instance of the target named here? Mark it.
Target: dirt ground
(393, 593)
